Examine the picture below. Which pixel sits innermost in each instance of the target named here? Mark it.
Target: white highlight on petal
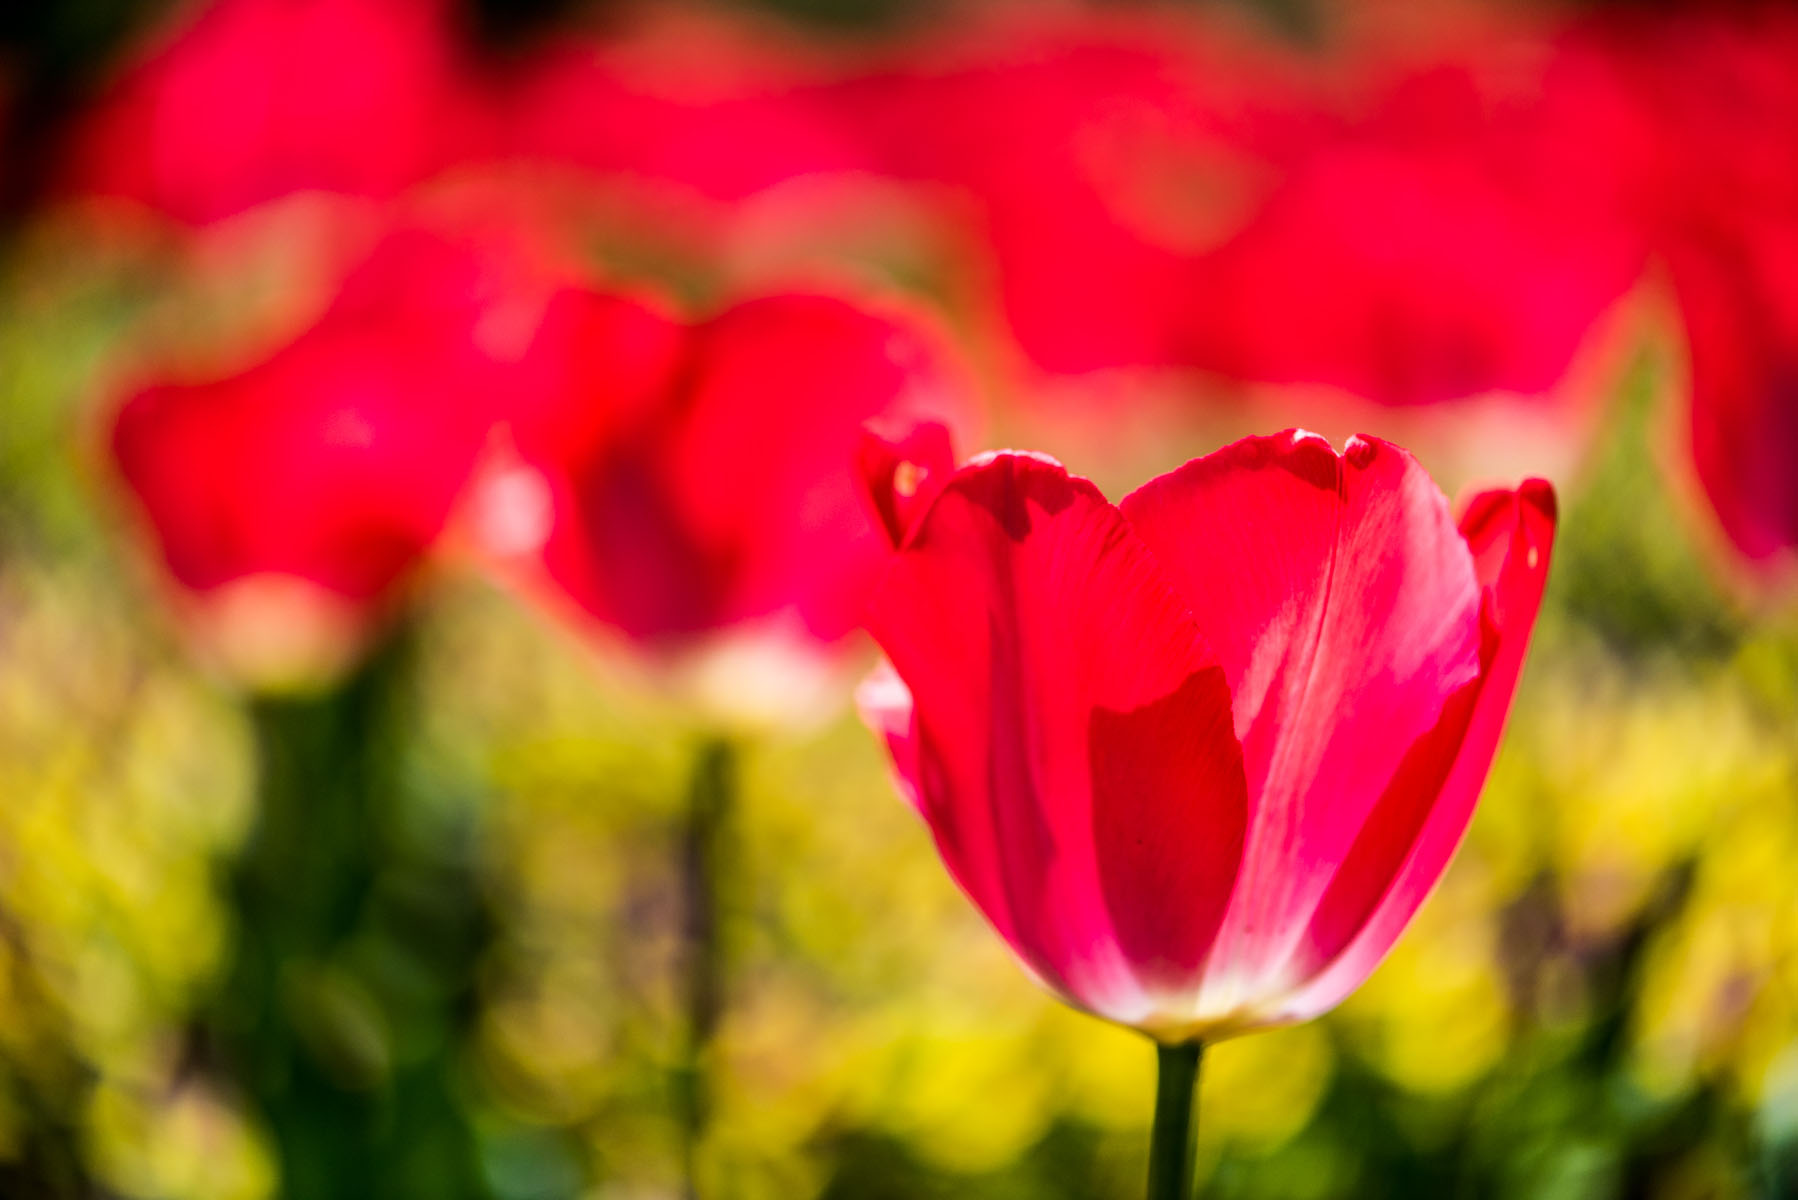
(990, 456)
(883, 693)
(348, 427)
(513, 512)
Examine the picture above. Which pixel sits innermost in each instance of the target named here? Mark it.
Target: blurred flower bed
(1515, 239)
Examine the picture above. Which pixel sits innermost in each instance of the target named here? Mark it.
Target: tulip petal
(760, 464)
(1169, 812)
(1511, 535)
(337, 459)
(1062, 696)
(902, 474)
(1344, 609)
(702, 477)
(238, 102)
(1388, 837)
(1739, 293)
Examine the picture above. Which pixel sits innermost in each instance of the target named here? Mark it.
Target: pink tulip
(1714, 89)
(1717, 85)
(1199, 756)
(1738, 290)
(244, 101)
(1155, 190)
(697, 478)
(1463, 236)
(323, 473)
(1085, 151)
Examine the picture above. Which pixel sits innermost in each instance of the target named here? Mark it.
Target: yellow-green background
(1601, 1000)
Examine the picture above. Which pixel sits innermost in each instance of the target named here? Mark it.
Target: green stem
(704, 852)
(298, 884)
(1176, 1121)
(345, 1007)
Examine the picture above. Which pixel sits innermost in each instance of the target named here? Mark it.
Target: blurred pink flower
(1199, 756)
(1164, 191)
(1738, 291)
(1462, 235)
(1719, 83)
(678, 481)
(1056, 140)
(1715, 86)
(238, 102)
(322, 474)
(722, 115)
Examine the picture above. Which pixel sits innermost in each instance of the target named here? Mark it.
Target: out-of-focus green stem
(704, 854)
(340, 1018)
(1176, 1121)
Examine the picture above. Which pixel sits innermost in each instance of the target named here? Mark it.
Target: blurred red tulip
(1719, 84)
(1738, 291)
(244, 101)
(1159, 190)
(1098, 155)
(1462, 238)
(694, 479)
(1715, 86)
(1199, 757)
(317, 478)
(1088, 151)
(680, 103)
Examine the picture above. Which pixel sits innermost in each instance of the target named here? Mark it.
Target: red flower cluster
(1148, 189)
(665, 480)
(1407, 220)
(1153, 190)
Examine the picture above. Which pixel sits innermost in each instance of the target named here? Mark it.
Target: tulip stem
(338, 873)
(1176, 1120)
(703, 855)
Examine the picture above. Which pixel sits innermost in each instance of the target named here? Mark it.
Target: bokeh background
(1518, 238)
